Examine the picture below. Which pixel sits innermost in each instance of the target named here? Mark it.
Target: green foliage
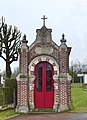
(79, 98)
(6, 96)
(6, 114)
(1, 96)
(10, 82)
(8, 93)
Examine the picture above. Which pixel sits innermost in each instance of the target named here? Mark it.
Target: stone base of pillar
(55, 107)
(63, 108)
(22, 109)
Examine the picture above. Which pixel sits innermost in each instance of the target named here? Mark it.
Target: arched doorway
(43, 88)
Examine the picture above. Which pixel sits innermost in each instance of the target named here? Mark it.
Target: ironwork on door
(43, 88)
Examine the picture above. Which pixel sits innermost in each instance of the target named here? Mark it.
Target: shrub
(11, 82)
(6, 96)
(8, 93)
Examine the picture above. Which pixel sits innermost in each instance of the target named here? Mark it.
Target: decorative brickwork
(43, 49)
(23, 62)
(63, 95)
(69, 95)
(22, 80)
(22, 86)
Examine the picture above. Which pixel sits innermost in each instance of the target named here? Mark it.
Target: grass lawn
(79, 99)
(7, 114)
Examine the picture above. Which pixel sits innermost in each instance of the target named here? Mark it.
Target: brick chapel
(44, 81)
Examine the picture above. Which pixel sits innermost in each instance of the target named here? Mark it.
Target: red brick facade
(44, 49)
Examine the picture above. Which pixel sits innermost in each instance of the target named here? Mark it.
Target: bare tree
(9, 44)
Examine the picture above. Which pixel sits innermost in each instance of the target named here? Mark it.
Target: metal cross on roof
(44, 18)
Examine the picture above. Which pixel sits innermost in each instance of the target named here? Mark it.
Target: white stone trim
(31, 67)
(18, 78)
(38, 59)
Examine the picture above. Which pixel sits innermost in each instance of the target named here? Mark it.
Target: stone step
(39, 113)
(42, 110)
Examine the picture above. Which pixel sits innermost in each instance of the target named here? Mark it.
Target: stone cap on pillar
(24, 43)
(63, 40)
(24, 39)
(22, 77)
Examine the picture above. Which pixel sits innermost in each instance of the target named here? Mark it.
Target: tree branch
(3, 57)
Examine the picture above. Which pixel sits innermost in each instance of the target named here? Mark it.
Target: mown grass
(6, 114)
(79, 98)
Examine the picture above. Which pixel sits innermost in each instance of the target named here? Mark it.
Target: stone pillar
(23, 60)
(69, 95)
(22, 95)
(64, 86)
(22, 79)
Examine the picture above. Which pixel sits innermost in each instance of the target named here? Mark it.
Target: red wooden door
(43, 88)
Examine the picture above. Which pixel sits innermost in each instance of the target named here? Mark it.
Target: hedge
(6, 96)
(8, 93)
(11, 82)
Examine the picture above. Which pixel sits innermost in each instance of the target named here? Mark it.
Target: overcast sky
(64, 16)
